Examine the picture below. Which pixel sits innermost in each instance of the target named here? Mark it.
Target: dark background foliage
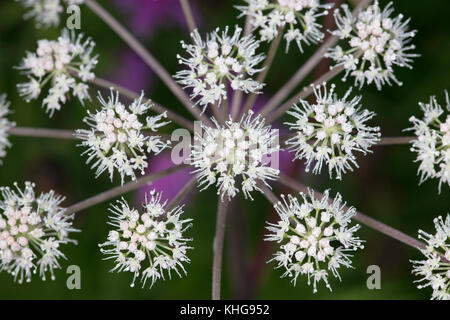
(384, 187)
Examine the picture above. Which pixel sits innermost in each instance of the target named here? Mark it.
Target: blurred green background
(384, 187)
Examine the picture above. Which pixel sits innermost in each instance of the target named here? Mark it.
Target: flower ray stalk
(187, 11)
(50, 133)
(238, 95)
(384, 141)
(42, 133)
(391, 141)
(218, 248)
(303, 94)
(117, 191)
(267, 64)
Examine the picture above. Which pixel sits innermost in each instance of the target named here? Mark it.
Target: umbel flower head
(118, 140)
(330, 131)
(47, 12)
(150, 243)
(375, 42)
(236, 150)
(32, 230)
(56, 63)
(315, 237)
(219, 60)
(5, 126)
(434, 270)
(297, 17)
(433, 141)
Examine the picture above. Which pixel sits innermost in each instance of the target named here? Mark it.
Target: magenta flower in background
(132, 73)
(169, 185)
(286, 161)
(146, 16)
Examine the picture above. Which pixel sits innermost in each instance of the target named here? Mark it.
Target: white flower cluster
(218, 61)
(150, 243)
(298, 17)
(314, 236)
(32, 229)
(330, 131)
(375, 42)
(5, 126)
(47, 12)
(55, 62)
(235, 150)
(433, 141)
(435, 269)
(116, 139)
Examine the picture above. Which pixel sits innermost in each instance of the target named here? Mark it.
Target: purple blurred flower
(145, 16)
(132, 73)
(169, 185)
